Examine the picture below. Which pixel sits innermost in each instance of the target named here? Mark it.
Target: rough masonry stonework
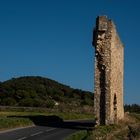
(109, 72)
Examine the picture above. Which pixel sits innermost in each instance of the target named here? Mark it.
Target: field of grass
(13, 119)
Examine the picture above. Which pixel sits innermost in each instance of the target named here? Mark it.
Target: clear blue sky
(52, 38)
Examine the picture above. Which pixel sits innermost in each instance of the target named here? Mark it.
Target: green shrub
(132, 108)
(26, 102)
(81, 135)
(8, 101)
(87, 101)
(49, 103)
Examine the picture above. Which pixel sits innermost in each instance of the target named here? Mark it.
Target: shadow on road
(57, 122)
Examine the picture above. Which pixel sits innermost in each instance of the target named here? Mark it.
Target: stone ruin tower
(109, 72)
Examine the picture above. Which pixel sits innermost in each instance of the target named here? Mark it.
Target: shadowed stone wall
(109, 68)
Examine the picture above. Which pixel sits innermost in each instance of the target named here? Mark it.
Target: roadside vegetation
(21, 117)
(129, 129)
(81, 135)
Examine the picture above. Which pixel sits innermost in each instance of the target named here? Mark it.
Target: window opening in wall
(115, 107)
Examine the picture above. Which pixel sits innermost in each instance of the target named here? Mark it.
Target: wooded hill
(35, 91)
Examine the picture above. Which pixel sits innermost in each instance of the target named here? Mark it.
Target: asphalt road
(53, 131)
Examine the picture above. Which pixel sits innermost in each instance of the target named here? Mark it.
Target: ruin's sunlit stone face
(109, 72)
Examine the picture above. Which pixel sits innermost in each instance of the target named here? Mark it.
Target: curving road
(53, 131)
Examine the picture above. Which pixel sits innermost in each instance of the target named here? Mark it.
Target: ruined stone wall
(108, 79)
(117, 74)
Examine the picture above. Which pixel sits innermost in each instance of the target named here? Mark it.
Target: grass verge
(127, 129)
(81, 135)
(14, 119)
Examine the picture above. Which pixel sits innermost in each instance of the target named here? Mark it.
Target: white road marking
(22, 138)
(40, 132)
(36, 133)
(14, 129)
(50, 130)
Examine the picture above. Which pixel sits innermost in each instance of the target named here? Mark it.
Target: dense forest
(31, 91)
